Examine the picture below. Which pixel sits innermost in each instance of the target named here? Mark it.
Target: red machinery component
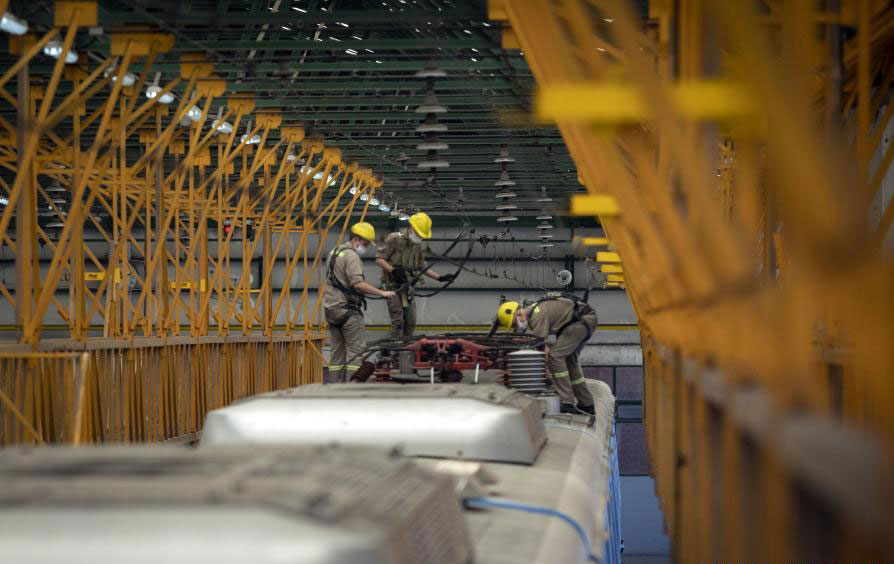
(448, 355)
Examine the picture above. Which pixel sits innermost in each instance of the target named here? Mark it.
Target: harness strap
(356, 300)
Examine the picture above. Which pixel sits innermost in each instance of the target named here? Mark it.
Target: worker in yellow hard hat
(343, 301)
(572, 321)
(400, 258)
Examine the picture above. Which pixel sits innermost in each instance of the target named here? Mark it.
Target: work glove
(447, 278)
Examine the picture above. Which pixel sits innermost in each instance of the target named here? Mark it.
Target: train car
(536, 487)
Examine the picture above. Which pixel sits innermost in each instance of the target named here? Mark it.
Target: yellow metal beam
(618, 102)
(614, 268)
(594, 204)
(607, 256)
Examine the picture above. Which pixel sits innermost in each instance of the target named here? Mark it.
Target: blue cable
(483, 502)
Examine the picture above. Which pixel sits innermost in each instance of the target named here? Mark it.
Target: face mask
(521, 326)
(415, 238)
(360, 248)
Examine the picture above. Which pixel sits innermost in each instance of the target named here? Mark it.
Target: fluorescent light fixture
(343, 24)
(377, 60)
(4, 200)
(194, 113)
(154, 90)
(350, 51)
(609, 20)
(297, 9)
(11, 24)
(55, 225)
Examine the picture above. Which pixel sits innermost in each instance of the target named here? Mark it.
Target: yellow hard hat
(364, 230)
(506, 314)
(422, 224)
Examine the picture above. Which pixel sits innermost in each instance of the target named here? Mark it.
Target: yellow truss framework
(720, 132)
(159, 216)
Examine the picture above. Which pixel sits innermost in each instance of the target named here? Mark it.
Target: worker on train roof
(402, 265)
(572, 321)
(343, 301)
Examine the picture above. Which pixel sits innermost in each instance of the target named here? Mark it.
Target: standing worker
(401, 260)
(344, 302)
(572, 321)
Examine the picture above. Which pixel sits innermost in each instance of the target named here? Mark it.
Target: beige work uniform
(347, 332)
(548, 318)
(400, 251)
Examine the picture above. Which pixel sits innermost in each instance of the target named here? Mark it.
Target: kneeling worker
(400, 258)
(343, 301)
(572, 322)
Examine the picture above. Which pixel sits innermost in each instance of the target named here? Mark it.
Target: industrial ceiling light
(504, 157)
(504, 179)
(383, 207)
(544, 197)
(544, 216)
(545, 236)
(4, 200)
(55, 188)
(374, 201)
(404, 217)
(153, 90)
(11, 24)
(194, 113)
(352, 190)
(224, 127)
(544, 225)
(253, 140)
(128, 79)
(54, 49)
(364, 196)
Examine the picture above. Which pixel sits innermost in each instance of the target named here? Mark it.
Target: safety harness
(581, 308)
(356, 300)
